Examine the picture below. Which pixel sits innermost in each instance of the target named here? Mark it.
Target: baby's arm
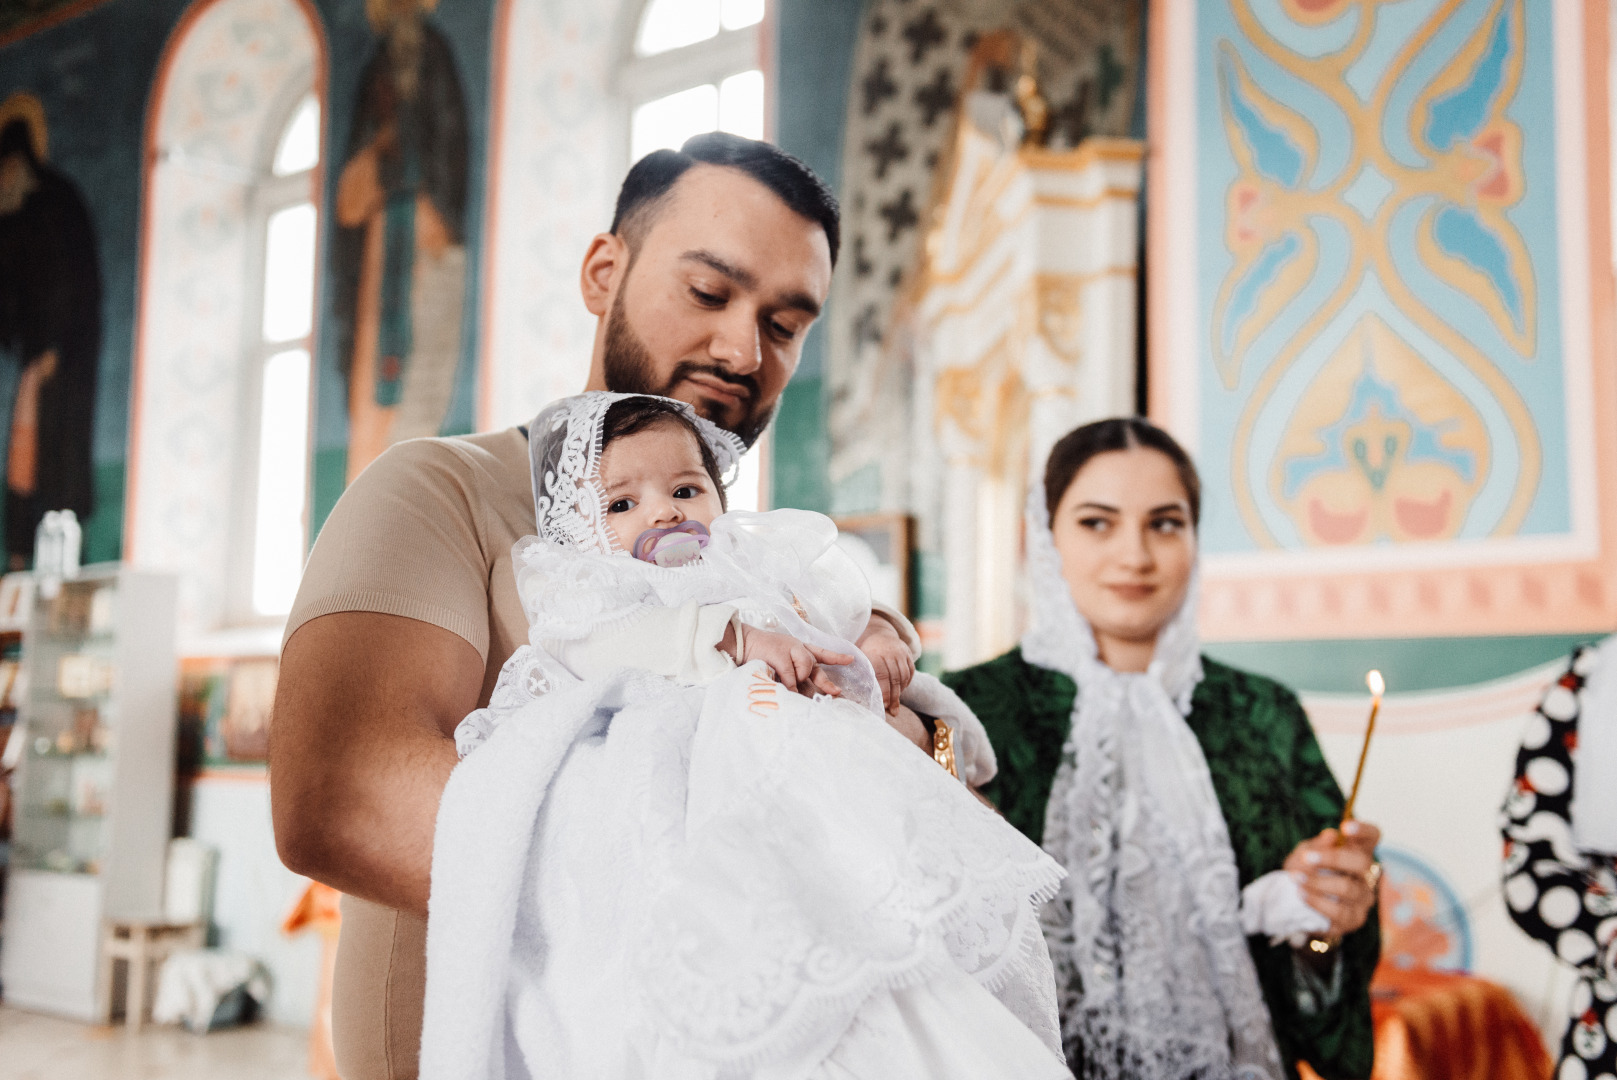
(890, 656)
(679, 642)
(795, 664)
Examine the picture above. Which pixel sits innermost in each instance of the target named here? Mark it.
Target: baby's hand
(890, 658)
(795, 664)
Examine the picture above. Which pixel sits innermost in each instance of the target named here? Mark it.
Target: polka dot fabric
(1559, 895)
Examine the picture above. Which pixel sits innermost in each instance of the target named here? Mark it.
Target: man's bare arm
(361, 746)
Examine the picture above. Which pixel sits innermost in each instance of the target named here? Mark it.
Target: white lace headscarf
(1152, 966)
(564, 449)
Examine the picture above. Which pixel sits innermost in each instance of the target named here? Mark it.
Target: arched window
(219, 440)
(699, 65)
(286, 220)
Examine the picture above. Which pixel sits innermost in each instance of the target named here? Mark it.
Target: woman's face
(1127, 546)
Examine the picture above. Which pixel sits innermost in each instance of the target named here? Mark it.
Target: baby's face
(654, 479)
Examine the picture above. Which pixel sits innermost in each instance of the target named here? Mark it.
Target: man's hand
(796, 665)
(1335, 875)
(890, 658)
(905, 721)
(361, 746)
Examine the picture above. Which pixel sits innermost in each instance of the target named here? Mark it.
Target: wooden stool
(142, 945)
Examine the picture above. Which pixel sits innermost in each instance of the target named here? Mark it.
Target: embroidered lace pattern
(1152, 966)
(742, 970)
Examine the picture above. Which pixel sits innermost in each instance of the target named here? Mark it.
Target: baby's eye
(620, 506)
(687, 491)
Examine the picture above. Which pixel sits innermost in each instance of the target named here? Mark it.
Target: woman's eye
(620, 506)
(1095, 524)
(687, 491)
(1168, 525)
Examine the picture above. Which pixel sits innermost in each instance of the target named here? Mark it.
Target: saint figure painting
(400, 258)
(50, 331)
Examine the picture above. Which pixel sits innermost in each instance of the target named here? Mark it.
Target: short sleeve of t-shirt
(412, 537)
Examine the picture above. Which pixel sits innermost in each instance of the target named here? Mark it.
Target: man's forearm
(373, 840)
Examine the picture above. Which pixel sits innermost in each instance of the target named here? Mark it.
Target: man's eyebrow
(797, 301)
(741, 276)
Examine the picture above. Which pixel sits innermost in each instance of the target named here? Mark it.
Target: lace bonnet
(564, 450)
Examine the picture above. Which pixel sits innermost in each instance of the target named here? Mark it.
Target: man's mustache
(686, 368)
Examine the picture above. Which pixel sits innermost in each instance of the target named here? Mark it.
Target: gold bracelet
(943, 747)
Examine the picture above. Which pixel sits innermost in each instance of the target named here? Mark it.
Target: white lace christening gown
(664, 866)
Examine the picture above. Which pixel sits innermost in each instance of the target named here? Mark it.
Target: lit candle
(1378, 686)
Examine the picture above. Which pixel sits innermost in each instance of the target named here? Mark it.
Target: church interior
(1308, 238)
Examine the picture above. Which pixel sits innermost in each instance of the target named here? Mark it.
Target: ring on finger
(1372, 876)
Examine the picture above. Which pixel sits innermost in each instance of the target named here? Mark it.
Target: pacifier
(676, 545)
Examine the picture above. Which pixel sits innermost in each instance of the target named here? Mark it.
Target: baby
(655, 859)
(659, 479)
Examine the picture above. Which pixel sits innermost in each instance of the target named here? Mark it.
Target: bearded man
(718, 261)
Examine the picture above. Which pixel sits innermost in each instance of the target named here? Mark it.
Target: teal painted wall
(1409, 665)
(814, 47)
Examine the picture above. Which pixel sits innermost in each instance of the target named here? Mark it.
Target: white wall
(562, 141)
(224, 94)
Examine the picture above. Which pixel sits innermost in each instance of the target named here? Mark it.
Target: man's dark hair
(794, 183)
(17, 138)
(1077, 447)
(634, 415)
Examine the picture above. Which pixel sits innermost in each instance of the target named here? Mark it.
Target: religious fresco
(400, 250)
(1387, 364)
(1383, 328)
(50, 331)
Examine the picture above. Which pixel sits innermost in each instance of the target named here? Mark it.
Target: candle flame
(1376, 683)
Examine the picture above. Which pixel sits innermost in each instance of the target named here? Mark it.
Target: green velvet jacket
(1272, 784)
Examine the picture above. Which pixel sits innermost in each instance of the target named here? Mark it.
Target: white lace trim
(1152, 966)
(564, 453)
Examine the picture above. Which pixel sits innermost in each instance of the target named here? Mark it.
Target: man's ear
(604, 265)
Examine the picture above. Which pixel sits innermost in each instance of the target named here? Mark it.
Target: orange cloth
(1434, 1025)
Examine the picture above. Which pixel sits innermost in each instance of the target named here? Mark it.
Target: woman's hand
(1338, 878)
(796, 665)
(890, 658)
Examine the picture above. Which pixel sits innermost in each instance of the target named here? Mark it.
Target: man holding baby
(718, 261)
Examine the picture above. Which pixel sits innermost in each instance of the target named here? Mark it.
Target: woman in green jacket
(1213, 923)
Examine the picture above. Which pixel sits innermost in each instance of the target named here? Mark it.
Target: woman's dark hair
(1077, 447)
(634, 415)
(794, 183)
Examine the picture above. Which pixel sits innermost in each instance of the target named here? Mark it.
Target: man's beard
(629, 370)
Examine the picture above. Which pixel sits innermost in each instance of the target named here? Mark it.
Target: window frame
(265, 196)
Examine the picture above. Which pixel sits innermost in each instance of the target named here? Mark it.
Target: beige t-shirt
(425, 532)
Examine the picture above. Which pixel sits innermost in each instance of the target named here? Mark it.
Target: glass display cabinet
(95, 781)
